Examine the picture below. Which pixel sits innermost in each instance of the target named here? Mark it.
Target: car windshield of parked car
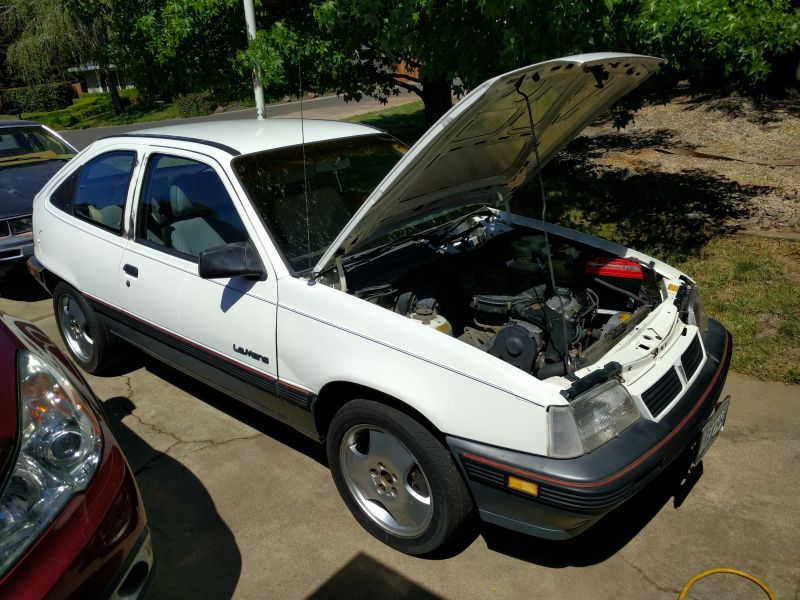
(305, 196)
(20, 145)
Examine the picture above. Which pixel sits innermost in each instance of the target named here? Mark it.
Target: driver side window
(185, 209)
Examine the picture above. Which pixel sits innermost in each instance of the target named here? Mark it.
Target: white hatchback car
(386, 301)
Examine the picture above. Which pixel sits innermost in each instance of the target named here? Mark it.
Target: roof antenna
(305, 171)
(544, 222)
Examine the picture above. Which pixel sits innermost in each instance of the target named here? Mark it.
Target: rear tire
(87, 339)
(397, 479)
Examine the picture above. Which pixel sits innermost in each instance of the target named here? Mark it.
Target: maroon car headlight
(59, 450)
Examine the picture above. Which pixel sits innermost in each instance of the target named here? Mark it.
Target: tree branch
(410, 88)
(406, 77)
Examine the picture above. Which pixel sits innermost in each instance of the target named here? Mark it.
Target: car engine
(490, 286)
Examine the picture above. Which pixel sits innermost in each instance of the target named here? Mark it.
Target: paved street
(324, 107)
(243, 507)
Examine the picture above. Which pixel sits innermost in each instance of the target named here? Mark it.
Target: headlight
(590, 420)
(23, 225)
(60, 446)
(696, 310)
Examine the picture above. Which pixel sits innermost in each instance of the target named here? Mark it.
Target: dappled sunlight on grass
(752, 286)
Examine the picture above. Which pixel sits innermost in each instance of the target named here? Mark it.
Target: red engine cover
(613, 267)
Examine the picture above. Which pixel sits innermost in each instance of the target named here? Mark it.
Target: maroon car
(72, 524)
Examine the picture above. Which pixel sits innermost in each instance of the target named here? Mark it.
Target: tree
(354, 47)
(721, 45)
(45, 40)
(357, 47)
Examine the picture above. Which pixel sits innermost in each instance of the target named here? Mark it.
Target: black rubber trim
(595, 483)
(662, 392)
(177, 138)
(123, 570)
(294, 395)
(592, 379)
(259, 380)
(692, 358)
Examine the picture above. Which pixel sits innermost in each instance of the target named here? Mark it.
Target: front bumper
(14, 251)
(575, 493)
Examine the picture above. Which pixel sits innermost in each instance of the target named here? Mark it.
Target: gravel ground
(735, 127)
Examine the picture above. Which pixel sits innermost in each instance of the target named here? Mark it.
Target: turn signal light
(521, 485)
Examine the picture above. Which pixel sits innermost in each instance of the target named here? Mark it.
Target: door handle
(131, 270)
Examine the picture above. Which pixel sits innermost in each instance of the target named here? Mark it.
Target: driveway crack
(648, 579)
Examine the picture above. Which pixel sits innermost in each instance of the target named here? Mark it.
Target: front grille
(484, 473)
(583, 502)
(579, 501)
(4, 231)
(662, 392)
(692, 357)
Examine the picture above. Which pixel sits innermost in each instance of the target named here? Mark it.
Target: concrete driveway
(243, 507)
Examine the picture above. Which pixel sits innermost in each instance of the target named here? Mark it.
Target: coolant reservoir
(430, 318)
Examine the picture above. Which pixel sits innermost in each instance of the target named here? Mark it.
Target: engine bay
(492, 285)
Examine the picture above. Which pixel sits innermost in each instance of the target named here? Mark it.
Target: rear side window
(99, 190)
(185, 208)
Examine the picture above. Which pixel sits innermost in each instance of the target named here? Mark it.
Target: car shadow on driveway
(608, 536)
(18, 285)
(196, 553)
(269, 426)
(364, 578)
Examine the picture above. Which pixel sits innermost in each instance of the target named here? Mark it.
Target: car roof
(18, 122)
(245, 136)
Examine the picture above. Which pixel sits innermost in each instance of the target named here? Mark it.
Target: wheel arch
(50, 280)
(336, 394)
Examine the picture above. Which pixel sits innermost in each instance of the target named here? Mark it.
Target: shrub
(196, 104)
(37, 98)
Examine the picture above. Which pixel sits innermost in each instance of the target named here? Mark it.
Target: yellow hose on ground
(708, 572)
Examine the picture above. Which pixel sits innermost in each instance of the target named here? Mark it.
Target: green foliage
(45, 97)
(721, 44)
(354, 47)
(195, 104)
(171, 47)
(45, 40)
(97, 110)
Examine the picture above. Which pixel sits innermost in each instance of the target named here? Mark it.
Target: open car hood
(481, 150)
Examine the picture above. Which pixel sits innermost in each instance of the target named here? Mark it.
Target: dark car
(30, 154)
(72, 524)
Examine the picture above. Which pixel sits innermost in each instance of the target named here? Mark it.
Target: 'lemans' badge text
(251, 354)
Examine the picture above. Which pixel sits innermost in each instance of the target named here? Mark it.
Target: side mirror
(239, 259)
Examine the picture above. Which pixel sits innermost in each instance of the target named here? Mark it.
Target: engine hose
(611, 286)
(708, 572)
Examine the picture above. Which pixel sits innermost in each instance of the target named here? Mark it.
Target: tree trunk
(111, 83)
(438, 98)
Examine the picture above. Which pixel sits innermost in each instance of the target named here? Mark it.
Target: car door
(220, 330)
(91, 203)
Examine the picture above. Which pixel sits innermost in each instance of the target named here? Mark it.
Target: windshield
(305, 196)
(27, 144)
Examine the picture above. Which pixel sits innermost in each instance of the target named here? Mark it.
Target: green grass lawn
(96, 110)
(752, 285)
(405, 122)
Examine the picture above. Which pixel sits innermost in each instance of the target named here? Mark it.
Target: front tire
(85, 336)
(396, 478)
